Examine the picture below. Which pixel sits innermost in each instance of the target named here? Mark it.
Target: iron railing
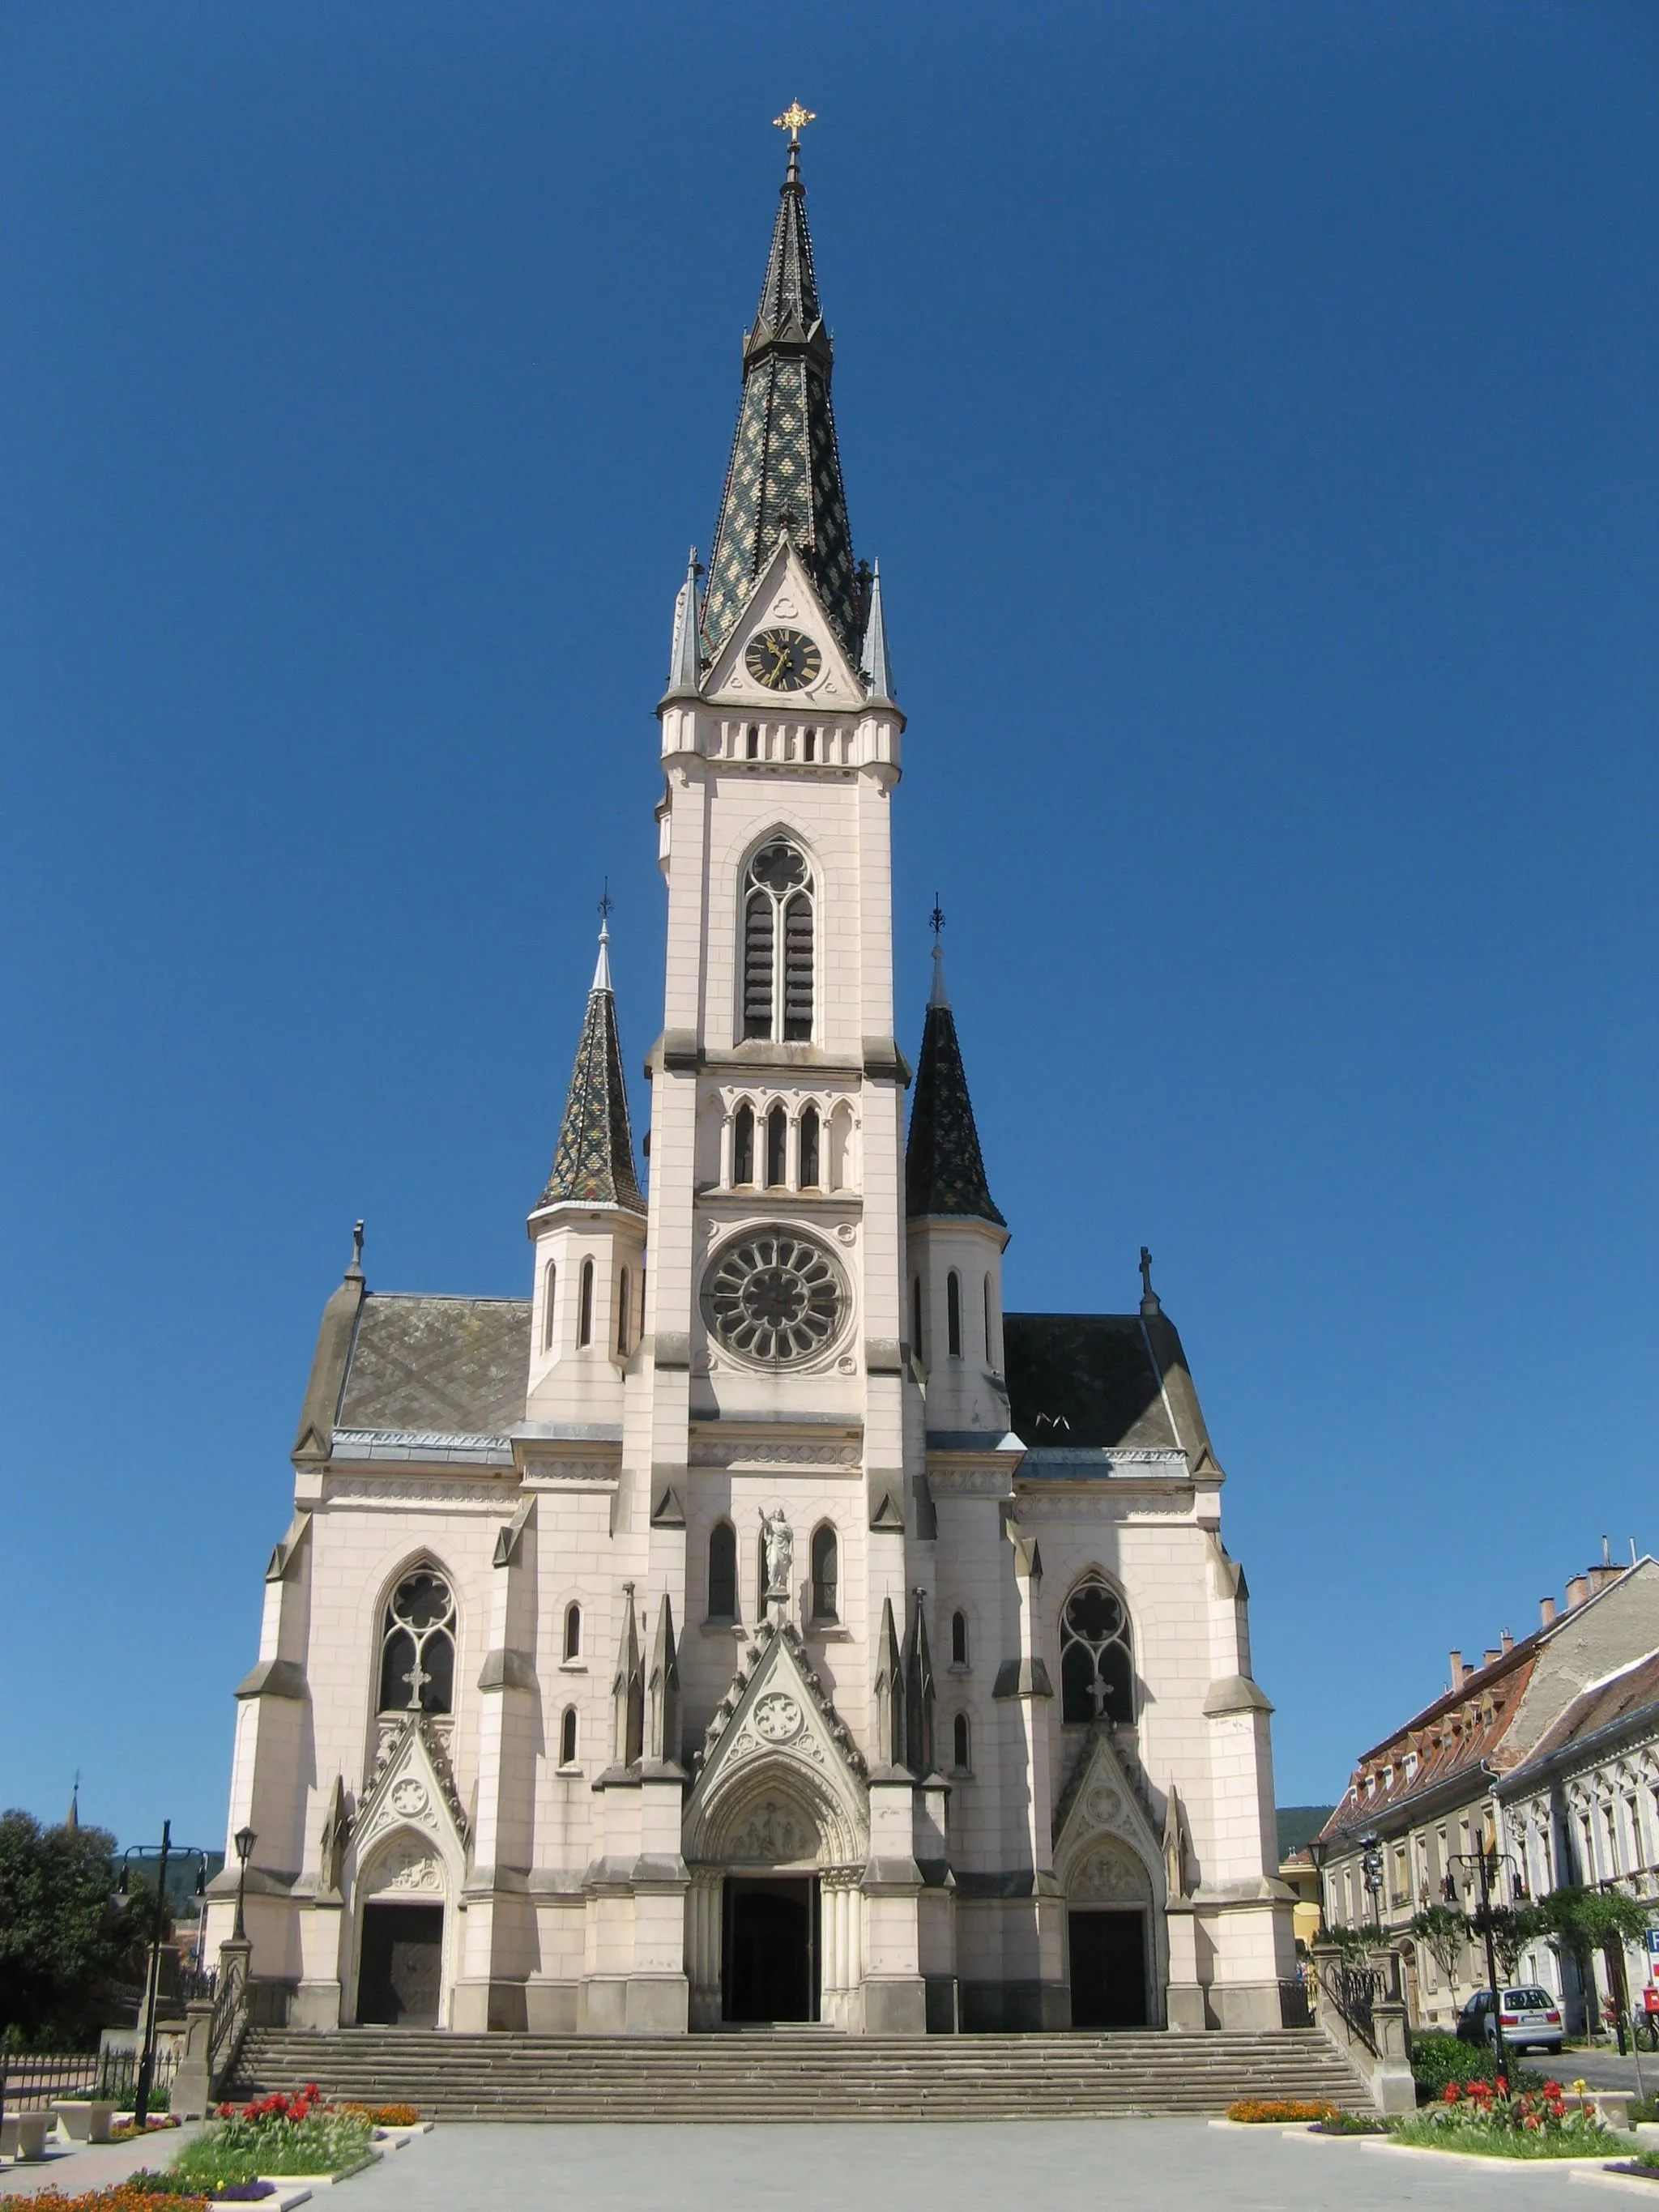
(230, 2018)
(33, 2080)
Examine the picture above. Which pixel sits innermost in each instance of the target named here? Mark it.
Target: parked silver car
(1530, 2019)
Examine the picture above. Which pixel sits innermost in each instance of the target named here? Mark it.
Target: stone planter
(24, 2136)
(85, 2119)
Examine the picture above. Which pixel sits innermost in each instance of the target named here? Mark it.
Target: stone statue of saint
(780, 1553)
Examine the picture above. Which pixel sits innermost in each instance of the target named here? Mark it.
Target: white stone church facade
(754, 1622)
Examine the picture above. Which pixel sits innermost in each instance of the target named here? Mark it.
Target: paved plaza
(1081, 2165)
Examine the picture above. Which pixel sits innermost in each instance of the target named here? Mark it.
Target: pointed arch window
(825, 1593)
(777, 1149)
(573, 1633)
(417, 1646)
(585, 1309)
(961, 1746)
(958, 1638)
(809, 1148)
(778, 944)
(953, 1313)
(568, 1737)
(743, 1146)
(550, 1286)
(624, 1314)
(915, 1318)
(990, 1337)
(1097, 1661)
(722, 1572)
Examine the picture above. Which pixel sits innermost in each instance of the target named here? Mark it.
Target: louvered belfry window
(777, 945)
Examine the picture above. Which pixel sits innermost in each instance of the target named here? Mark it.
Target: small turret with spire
(955, 1234)
(588, 1227)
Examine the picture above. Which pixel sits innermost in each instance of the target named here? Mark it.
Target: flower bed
(1483, 2120)
(125, 2196)
(156, 2123)
(174, 2186)
(1645, 2167)
(1350, 2123)
(274, 2136)
(387, 2115)
(1278, 2112)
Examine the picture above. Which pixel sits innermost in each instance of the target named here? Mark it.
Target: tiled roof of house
(1461, 1731)
(1619, 1697)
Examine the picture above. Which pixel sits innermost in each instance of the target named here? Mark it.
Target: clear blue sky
(1253, 409)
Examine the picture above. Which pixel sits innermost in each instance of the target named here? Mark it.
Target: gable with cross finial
(411, 1788)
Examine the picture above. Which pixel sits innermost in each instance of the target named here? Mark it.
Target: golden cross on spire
(793, 120)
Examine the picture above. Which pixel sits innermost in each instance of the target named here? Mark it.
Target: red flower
(1551, 2088)
(1450, 2092)
(1503, 2087)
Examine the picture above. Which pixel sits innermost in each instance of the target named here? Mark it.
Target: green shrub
(1438, 2059)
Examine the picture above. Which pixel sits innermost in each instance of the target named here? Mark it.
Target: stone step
(794, 2076)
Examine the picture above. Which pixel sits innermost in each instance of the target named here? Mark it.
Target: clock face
(783, 659)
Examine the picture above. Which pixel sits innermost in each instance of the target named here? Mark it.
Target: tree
(1512, 1928)
(1580, 1921)
(1443, 1932)
(63, 1937)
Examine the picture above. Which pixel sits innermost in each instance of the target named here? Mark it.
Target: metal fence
(33, 2080)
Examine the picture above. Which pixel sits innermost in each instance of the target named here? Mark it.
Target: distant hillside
(1299, 1824)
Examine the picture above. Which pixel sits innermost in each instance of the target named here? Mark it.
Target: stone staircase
(793, 2075)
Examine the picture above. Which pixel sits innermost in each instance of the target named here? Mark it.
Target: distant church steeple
(785, 472)
(593, 1163)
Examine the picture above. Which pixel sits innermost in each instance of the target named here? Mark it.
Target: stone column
(703, 1901)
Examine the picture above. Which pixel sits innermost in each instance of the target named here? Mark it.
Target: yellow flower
(1580, 2086)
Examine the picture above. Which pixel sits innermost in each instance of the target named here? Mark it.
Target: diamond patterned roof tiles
(593, 1163)
(785, 470)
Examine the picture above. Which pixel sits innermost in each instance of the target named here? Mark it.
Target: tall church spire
(593, 1163)
(944, 1167)
(785, 472)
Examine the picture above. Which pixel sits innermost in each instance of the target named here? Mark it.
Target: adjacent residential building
(1537, 1754)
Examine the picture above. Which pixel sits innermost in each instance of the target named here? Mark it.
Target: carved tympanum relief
(1110, 1873)
(774, 1834)
(408, 1866)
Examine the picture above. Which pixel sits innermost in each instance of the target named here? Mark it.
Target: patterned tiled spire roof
(593, 1164)
(785, 472)
(944, 1168)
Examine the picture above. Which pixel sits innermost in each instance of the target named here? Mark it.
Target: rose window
(776, 1297)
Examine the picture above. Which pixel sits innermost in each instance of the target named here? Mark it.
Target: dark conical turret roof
(944, 1167)
(785, 472)
(593, 1163)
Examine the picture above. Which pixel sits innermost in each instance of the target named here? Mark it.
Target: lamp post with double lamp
(1370, 1867)
(168, 1851)
(1486, 1864)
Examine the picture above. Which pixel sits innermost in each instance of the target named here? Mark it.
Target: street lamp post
(1370, 1864)
(153, 1974)
(1486, 1864)
(244, 1840)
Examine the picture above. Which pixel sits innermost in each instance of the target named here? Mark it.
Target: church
(753, 1622)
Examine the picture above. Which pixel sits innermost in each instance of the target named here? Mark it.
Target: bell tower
(775, 1299)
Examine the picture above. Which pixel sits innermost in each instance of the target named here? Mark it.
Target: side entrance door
(401, 1969)
(1108, 1968)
